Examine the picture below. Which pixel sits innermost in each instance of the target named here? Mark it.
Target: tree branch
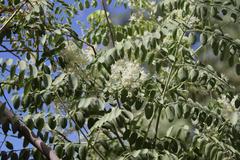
(10, 51)
(28, 134)
(108, 22)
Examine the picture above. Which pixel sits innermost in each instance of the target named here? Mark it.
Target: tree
(137, 91)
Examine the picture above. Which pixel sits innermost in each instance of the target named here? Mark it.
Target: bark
(7, 115)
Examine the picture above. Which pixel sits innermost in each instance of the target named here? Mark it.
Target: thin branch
(4, 96)
(3, 142)
(118, 103)
(94, 148)
(84, 42)
(90, 45)
(10, 51)
(12, 136)
(108, 22)
(118, 137)
(6, 69)
(63, 136)
(12, 16)
(158, 120)
(174, 63)
(18, 50)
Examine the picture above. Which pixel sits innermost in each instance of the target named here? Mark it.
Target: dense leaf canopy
(133, 91)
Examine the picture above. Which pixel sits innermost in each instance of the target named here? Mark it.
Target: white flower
(126, 74)
(229, 111)
(75, 57)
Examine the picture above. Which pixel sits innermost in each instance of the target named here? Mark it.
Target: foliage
(137, 91)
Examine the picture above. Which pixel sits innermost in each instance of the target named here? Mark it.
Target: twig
(4, 96)
(81, 130)
(3, 142)
(63, 136)
(18, 50)
(118, 103)
(158, 120)
(12, 16)
(118, 137)
(88, 44)
(10, 51)
(108, 22)
(13, 136)
(175, 53)
(94, 148)
(167, 82)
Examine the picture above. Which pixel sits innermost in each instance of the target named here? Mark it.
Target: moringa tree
(137, 91)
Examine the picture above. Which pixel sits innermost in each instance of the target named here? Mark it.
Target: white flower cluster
(38, 2)
(126, 74)
(229, 111)
(75, 57)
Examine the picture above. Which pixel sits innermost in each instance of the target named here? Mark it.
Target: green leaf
(237, 102)
(238, 69)
(119, 36)
(73, 81)
(79, 119)
(94, 3)
(179, 110)
(133, 137)
(9, 145)
(170, 113)
(13, 71)
(192, 38)
(4, 155)
(29, 122)
(105, 40)
(193, 75)
(144, 53)
(48, 97)
(24, 154)
(87, 3)
(47, 79)
(234, 17)
(33, 71)
(182, 74)
(16, 101)
(70, 149)
(203, 39)
(44, 38)
(149, 108)
(63, 122)
(52, 122)
(14, 156)
(58, 31)
(40, 123)
(219, 155)
(83, 152)
(126, 134)
(59, 151)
